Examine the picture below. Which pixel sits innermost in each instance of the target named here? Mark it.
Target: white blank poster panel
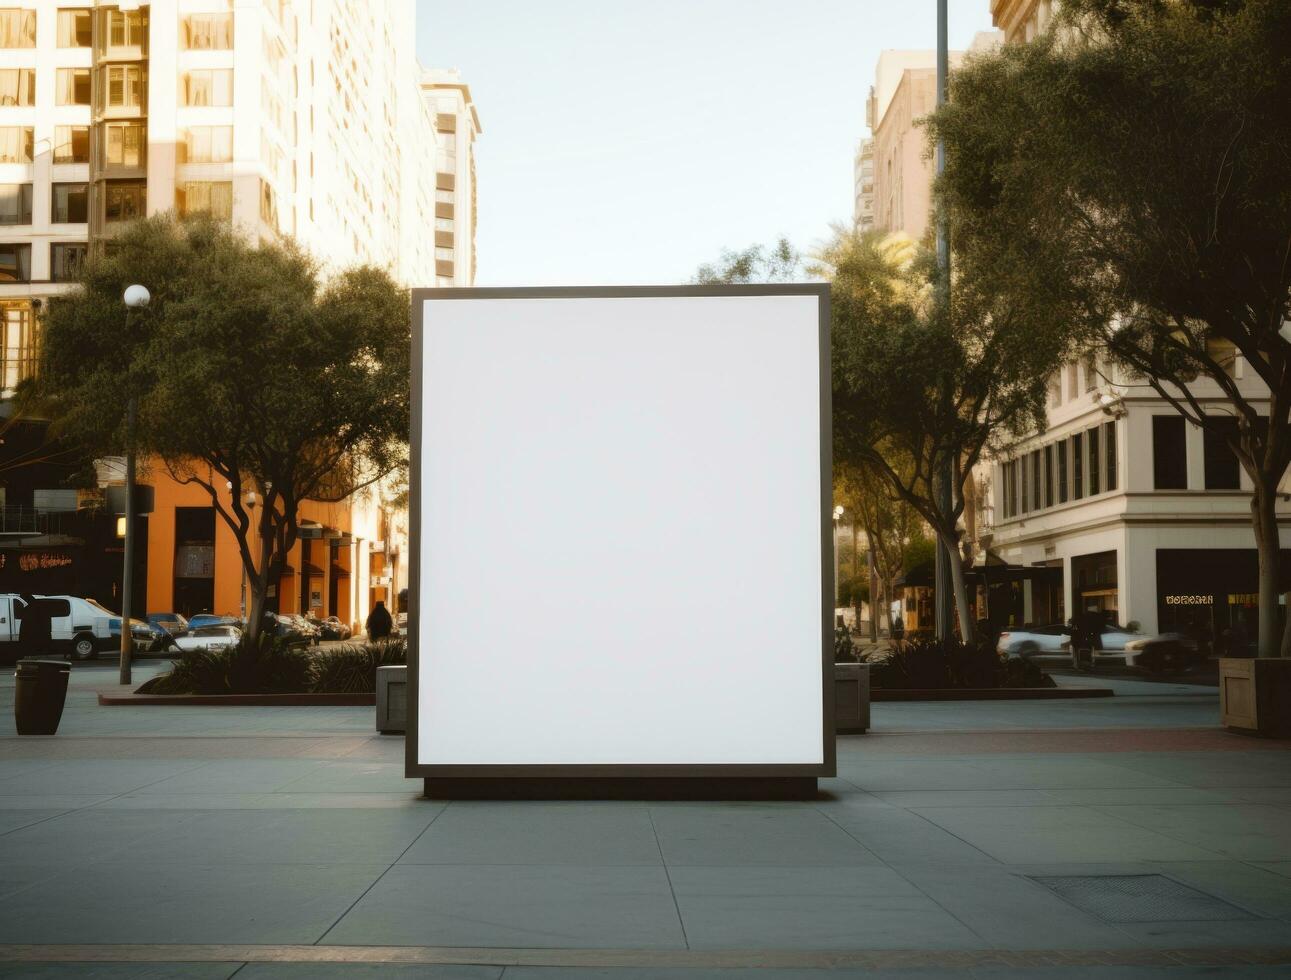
(620, 556)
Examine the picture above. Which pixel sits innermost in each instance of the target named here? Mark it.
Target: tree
(252, 375)
(1140, 158)
(757, 263)
(921, 389)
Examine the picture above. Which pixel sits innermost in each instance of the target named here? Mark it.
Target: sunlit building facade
(309, 119)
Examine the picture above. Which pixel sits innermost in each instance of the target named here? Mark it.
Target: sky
(630, 141)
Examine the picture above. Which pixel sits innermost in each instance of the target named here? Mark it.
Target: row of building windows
(65, 261)
(1220, 468)
(68, 204)
(1083, 464)
(197, 32)
(123, 87)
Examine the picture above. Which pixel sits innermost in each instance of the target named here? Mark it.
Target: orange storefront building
(340, 567)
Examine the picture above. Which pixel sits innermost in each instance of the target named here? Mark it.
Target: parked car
(210, 619)
(1118, 646)
(78, 627)
(147, 638)
(286, 627)
(308, 628)
(208, 638)
(171, 624)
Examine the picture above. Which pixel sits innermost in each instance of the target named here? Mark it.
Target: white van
(78, 627)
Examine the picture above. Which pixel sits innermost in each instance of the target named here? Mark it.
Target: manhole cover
(1140, 898)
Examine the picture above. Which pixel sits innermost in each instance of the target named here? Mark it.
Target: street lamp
(944, 609)
(136, 297)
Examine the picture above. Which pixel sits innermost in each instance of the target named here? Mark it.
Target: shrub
(277, 668)
(352, 669)
(926, 664)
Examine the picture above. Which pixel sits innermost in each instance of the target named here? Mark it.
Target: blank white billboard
(619, 498)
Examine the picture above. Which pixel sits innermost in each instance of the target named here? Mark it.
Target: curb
(988, 693)
(241, 700)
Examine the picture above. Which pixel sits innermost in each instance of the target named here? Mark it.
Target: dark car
(147, 639)
(211, 619)
(169, 625)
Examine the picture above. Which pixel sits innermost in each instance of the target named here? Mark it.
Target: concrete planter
(392, 699)
(851, 698)
(1255, 695)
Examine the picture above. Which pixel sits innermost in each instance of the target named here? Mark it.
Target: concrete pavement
(1116, 837)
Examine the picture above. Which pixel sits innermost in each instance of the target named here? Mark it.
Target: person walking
(379, 623)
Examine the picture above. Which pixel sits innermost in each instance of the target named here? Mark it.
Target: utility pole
(943, 592)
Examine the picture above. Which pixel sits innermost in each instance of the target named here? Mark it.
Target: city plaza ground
(285, 842)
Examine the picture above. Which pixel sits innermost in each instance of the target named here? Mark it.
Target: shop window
(1169, 453)
(66, 260)
(70, 204)
(17, 86)
(15, 204)
(1109, 440)
(71, 144)
(1222, 468)
(1092, 437)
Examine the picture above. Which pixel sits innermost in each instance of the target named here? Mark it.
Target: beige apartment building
(1021, 20)
(904, 91)
(863, 185)
(304, 118)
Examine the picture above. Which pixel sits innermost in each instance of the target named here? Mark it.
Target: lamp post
(944, 610)
(838, 516)
(136, 297)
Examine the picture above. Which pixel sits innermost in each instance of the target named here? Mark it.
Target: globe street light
(136, 297)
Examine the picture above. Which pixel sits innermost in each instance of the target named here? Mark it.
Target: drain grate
(1140, 898)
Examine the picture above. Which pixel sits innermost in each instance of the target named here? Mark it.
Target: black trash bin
(39, 693)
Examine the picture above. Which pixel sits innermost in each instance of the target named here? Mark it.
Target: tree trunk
(874, 596)
(1268, 543)
(960, 586)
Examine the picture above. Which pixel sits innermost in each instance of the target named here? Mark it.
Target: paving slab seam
(676, 904)
(648, 958)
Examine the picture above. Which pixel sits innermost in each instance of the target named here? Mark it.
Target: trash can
(39, 693)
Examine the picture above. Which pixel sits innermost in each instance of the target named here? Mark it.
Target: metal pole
(835, 565)
(943, 590)
(127, 573)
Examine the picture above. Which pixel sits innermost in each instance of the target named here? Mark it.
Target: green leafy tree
(921, 389)
(888, 522)
(1139, 160)
(252, 373)
(757, 263)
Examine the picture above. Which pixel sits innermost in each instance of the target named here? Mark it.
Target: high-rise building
(457, 125)
(904, 91)
(312, 120)
(863, 182)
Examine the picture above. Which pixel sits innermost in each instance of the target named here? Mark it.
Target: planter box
(1255, 695)
(392, 699)
(851, 698)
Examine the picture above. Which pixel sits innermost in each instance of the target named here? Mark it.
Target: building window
(443, 224)
(70, 204)
(1094, 460)
(1222, 468)
(127, 28)
(1091, 372)
(207, 144)
(15, 262)
(123, 144)
(208, 32)
(66, 259)
(17, 347)
(73, 86)
(268, 205)
(1061, 452)
(15, 204)
(71, 144)
(17, 86)
(1073, 384)
(1077, 467)
(205, 88)
(125, 88)
(1037, 482)
(1025, 501)
(1055, 391)
(1007, 488)
(1169, 453)
(74, 30)
(17, 28)
(444, 197)
(1048, 476)
(213, 196)
(444, 254)
(125, 200)
(1109, 447)
(16, 144)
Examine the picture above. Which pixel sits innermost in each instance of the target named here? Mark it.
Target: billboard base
(621, 788)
